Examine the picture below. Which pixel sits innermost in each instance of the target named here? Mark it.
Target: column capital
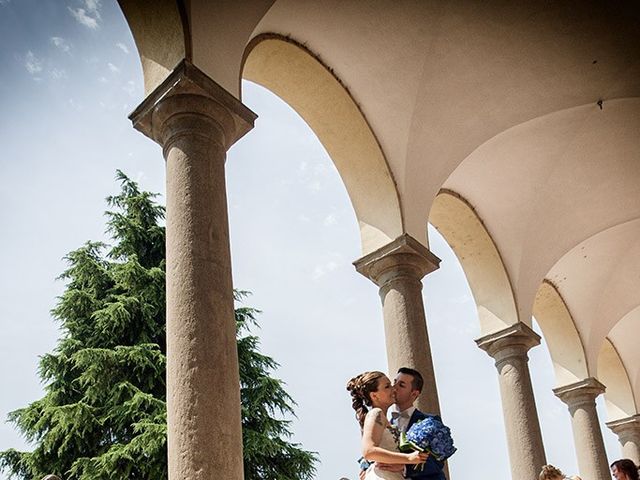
(624, 426)
(580, 393)
(403, 256)
(189, 90)
(628, 433)
(513, 341)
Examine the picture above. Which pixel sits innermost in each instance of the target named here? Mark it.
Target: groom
(408, 386)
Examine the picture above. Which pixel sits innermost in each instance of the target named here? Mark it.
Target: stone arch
(465, 232)
(561, 335)
(618, 397)
(161, 34)
(298, 77)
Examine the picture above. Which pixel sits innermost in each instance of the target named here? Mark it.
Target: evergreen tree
(267, 453)
(103, 415)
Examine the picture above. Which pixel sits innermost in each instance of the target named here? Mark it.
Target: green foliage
(267, 453)
(103, 415)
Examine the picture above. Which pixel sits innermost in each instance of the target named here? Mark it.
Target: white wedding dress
(388, 442)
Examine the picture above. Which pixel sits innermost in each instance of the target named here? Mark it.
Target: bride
(379, 438)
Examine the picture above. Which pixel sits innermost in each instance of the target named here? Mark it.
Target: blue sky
(70, 77)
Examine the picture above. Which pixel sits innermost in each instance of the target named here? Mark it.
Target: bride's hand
(417, 457)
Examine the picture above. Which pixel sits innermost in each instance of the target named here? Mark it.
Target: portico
(512, 128)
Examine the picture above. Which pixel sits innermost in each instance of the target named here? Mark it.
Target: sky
(70, 76)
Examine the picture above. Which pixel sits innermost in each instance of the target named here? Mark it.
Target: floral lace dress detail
(395, 432)
(389, 441)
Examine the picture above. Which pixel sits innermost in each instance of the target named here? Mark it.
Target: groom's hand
(390, 467)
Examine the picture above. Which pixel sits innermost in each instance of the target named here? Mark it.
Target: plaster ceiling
(498, 102)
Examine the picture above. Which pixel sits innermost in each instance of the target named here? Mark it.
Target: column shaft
(407, 338)
(196, 121)
(631, 448)
(397, 269)
(590, 452)
(202, 368)
(509, 348)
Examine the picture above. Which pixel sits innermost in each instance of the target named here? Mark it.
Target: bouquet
(429, 435)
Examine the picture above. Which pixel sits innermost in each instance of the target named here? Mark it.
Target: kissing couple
(373, 397)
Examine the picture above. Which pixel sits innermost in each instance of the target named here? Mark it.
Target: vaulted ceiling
(525, 114)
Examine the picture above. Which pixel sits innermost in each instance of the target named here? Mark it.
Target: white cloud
(88, 16)
(32, 63)
(93, 6)
(75, 105)
(329, 220)
(58, 73)
(130, 88)
(103, 80)
(4, 2)
(81, 16)
(322, 270)
(61, 43)
(334, 262)
(113, 68)
(123, 47)
(315, 187)
(313, 175)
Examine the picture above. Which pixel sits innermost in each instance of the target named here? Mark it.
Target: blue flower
(429, 435)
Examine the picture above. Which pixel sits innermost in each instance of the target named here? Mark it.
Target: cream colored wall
(459, 224)
(496, 101)
(545, 186)
(612, 373)
(158, 32)
(598, 277)
(213, 36)
(561, 335)
(295, 75)
(221, 31)
(438, 79)
(625, 340)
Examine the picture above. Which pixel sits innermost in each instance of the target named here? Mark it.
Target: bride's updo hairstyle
(627, 467)
(549, 472)
(361, 388)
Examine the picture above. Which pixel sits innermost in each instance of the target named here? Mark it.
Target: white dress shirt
(401, 419)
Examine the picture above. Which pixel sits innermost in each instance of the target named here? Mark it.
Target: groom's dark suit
(432, 469)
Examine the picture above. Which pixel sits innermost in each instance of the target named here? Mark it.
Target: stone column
(398, 268)
(628, 432)
(580, 398)
(509, 348)
(196, 121)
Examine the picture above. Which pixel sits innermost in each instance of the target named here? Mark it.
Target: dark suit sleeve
(432, 468)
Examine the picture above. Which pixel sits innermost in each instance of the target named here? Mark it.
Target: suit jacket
(432, 469)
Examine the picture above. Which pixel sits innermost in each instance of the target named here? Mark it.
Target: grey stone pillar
(580, 398)
(398, 268)
(509, 348)
(196, 121)
(628, 432)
